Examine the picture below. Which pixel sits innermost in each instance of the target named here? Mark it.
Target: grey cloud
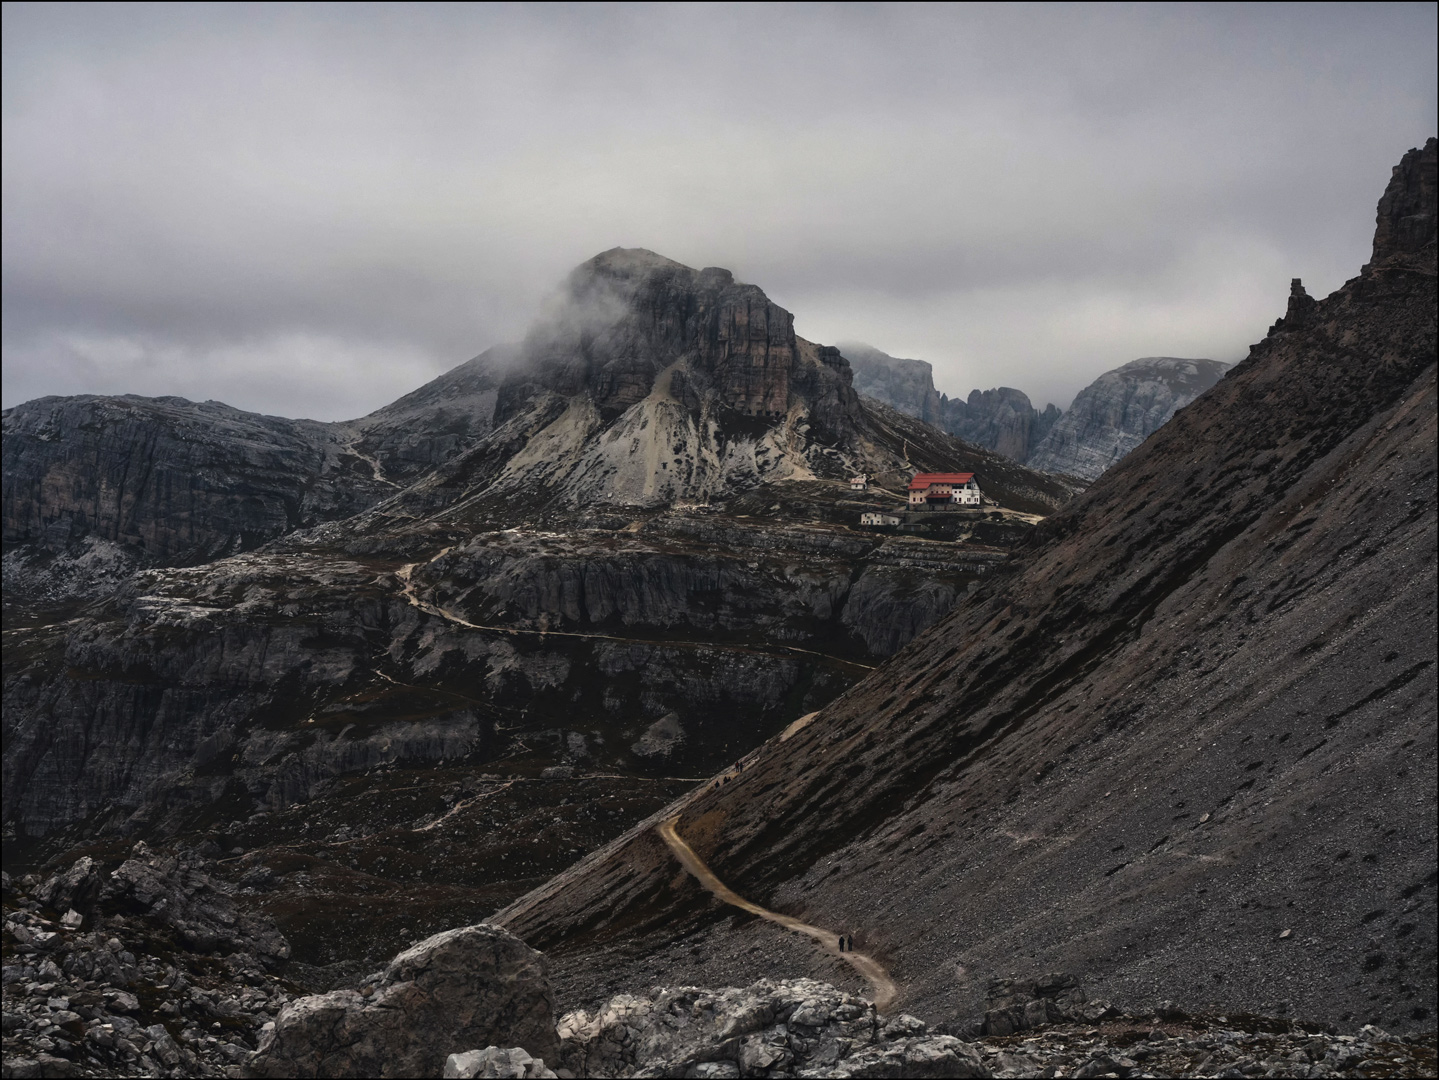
(310, 209)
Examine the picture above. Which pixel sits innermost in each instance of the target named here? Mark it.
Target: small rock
(123, 1001)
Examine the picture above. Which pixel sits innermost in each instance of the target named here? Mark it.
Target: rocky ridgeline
(1108, 418)
(150, 970)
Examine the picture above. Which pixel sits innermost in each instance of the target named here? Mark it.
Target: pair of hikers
(846, 943)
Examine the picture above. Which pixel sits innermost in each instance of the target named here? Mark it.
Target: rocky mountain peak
(1000, 419)
(629, 314)
(1406, 223)
(1120, 409)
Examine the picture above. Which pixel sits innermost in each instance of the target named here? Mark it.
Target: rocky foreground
(153, 970)
(150, 970)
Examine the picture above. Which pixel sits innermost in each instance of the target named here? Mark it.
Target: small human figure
(849, 946)
(841, 943)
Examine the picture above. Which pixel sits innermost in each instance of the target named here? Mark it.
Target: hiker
(841, 943)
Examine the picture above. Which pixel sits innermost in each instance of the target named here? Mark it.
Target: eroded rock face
(1000, 419)
(787, 1028)
(1119, 410)
(475, 986)
(170, 479)
(906, 385)
(628, 314)
(1406, 218)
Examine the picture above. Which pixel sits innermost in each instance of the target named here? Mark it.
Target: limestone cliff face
(1001, 419)
(1404, 223)
(628, 314)
(171, 479)
(906, 385)
(1119, 410)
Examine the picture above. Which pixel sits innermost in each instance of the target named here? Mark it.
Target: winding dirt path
(406, 576)
(886, 993)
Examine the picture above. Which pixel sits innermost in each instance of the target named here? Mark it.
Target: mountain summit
(645, 382)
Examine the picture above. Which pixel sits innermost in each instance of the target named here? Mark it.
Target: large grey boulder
(76, 888)
(497, 1063)
(475, 986)
(794, 1027)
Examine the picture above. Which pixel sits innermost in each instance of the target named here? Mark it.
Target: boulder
(511, 1064)
(475, 986)
(794, 1027)
(74, 889)
(1013, 1005)
(930, 1056)
(176, 891)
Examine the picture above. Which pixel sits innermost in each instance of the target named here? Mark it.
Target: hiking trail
(886, 993)
(405, 575)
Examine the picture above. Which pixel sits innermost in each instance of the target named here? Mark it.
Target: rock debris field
(151, 970)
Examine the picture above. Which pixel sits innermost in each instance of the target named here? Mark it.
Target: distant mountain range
(1109, 417)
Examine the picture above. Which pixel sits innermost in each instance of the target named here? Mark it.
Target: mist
(311, 210)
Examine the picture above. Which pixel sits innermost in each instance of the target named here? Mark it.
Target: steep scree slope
(1185, 748)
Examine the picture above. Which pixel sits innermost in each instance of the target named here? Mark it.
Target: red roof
(925, 479)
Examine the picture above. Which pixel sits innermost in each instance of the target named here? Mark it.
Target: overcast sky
(309, 211)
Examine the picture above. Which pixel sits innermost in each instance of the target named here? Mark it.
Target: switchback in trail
(885, 991)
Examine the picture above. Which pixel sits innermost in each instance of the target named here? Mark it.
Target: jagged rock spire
(1406, 221)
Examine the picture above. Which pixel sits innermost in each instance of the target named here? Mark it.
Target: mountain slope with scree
(1184, 746)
